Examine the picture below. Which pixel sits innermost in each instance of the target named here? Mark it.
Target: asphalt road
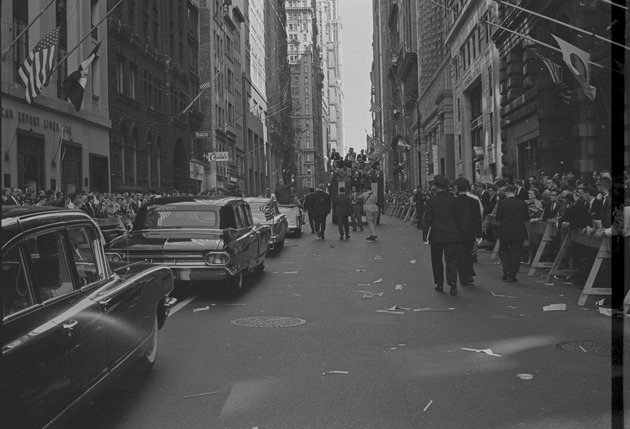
(344, 364)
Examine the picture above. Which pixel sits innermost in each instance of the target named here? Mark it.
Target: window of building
(30, 161)
(120, 75)
(71, 168)
(133, 71)
(20, 49)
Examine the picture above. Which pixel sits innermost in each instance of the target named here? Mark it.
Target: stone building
(153, 76)
(48, 144)
(546, 128)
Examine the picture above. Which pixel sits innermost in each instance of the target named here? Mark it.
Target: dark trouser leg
(340, 224)
(322, 224)
(450, 257)
(436, 263)
(346, 225)
(318, 224)
(516, 249)
(311, 221)
(464, 261)
(504, 255)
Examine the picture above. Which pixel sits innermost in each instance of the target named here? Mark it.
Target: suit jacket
(89, 209)
(576, 215)
(321, 203)
(549, 213)
(606, 212)
(11, 201)
(512, 214)
(439, 215)
(309, 201)
(341, 205)
(468, 217)
(522, 194)
(492, 201)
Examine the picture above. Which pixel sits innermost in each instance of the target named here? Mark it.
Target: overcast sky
(356, 18)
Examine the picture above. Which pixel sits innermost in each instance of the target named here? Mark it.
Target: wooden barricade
(550, 233)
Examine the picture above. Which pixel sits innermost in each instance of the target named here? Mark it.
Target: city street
(306, 346)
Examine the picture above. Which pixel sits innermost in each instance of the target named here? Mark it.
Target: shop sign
(218, 156)
(196, 171)
(33, 121)
(202, 134)
(233, 179)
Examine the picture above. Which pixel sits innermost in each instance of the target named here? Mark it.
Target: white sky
(356, 18)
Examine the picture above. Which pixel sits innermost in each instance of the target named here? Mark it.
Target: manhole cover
(591, 347)
(268, 321)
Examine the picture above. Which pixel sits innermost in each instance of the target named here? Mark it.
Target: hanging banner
(579, 62)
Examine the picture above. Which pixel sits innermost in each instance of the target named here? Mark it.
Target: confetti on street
(413, 261)
(390, 312)
(335, 372)
(377, 281)
(433, 309)
(489, 352)
(525, 376)
(196, 310)
(399, 287)
(428, 405)
(290, 272)
(555, 307)
(200, 394)
(502, 296)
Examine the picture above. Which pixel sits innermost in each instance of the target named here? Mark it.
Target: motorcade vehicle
(72, 323)
(111, 227)
(266, 212)
(200, 238)
(295, 217)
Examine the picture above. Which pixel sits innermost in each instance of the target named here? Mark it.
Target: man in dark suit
(552, 210)
(14, 199)
(342, 208)
(512, 214)
(88, 206)
(468, 217)
(492, 201)
(521, 192)
(321, 208)
(308, 208)
(440, 229)
(357, 208)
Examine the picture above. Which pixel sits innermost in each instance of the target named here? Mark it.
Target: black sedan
(200, 238)
(71, 324)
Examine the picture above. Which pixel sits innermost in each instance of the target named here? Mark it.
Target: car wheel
(298, 232)
(235, 283)
(280, 245)
(149, 356)
(259, 268)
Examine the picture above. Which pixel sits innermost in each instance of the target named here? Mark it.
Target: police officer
(440, 230)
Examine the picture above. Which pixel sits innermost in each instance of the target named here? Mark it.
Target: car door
(57, 281)
(260, 233)
(35, 376)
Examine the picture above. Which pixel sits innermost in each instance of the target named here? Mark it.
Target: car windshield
(175, 217)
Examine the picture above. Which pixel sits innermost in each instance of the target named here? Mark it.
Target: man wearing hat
(511, 214)
(440, 230)
(468, 217)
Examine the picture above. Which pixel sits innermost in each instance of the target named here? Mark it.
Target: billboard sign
(218, 156)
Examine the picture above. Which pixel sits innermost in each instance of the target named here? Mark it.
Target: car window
(228, 220)
(242, 216)
(16, 295)
(248, 212)
(49, 266)
(175, 217)
(83, 240)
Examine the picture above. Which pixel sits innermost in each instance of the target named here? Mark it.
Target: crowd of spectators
(360, 169)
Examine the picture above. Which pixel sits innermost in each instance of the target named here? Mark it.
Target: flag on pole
(376, 108)
(36, 70)
(204, 86)
(555, 70)
(269, 211)
(579, 62)
(74, 84)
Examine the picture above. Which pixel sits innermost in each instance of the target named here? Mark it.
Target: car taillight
(113, 257)
(216, 258)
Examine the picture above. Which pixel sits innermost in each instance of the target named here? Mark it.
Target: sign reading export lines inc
(218, 156)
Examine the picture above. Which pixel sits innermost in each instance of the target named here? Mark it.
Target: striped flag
(269, 211)
(376, 108)
(74, 84)
(36, 70)
(555, 70)
(204, 86)
(579, 63)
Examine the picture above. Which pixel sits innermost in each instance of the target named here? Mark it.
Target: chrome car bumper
(202, 274)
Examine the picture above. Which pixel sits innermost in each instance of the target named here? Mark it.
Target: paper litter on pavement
(413, 261)
(200, 394)
(555, 307)
(433, 309)
(600, 302)
(290, 272)
(371, 293)
(206, 308)
(399, 287)
(335, 372)
(502, 296)
(428, 405)
(486, 351)
(395, 307)
(390, 312)
(377, 257)
(377, 281)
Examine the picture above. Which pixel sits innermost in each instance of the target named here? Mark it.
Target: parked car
(71, 323)
(265, 212)
(295, 218)
(111, 227)
(200, 238)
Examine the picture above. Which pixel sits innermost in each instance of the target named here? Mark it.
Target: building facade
(48, 144)
(436, 155)
(546, 129)
(474, 83)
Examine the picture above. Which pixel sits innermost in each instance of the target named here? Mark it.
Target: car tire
(259, 268)
(149, 356)
(298, 232)
(235, 284)
(280, 245)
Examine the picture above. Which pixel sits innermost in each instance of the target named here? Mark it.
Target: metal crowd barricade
(549, 233)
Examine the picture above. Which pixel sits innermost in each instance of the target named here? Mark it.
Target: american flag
(269, 211)
(555, 70)
(37, 68)
(376, 108)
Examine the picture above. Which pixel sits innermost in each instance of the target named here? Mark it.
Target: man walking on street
(342, 208)
(371, 211)
(357, 209)
(440, 230)
(321, 208)
(309, 208)
(511, 214)
(468, 216)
